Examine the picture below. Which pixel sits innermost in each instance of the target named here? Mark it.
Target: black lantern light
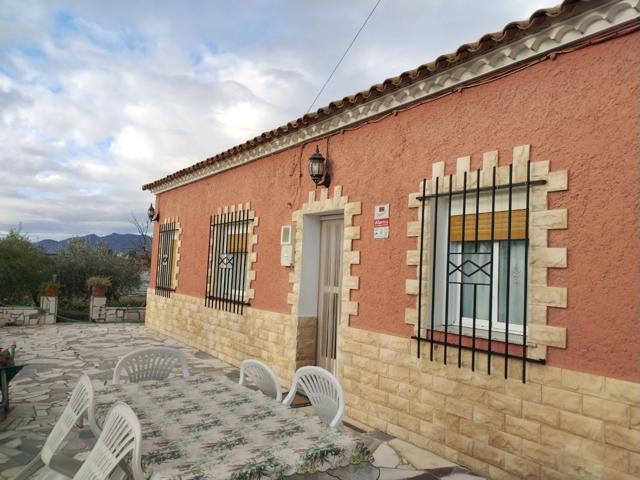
(151, 213)
(318, 169)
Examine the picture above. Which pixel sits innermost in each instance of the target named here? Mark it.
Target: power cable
(343, 55)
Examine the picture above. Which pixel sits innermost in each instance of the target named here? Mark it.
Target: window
(483, 274)
(473, 264)
(228, 259)
(167, 258)
(483, 297)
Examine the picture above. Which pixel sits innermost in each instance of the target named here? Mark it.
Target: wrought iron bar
(475, 286)
(526, 278)
(216, 260)
(207, 289)
(164, 267)
(462, 262)
(433, 266)
(424, 186)
(532, 183)
(245, 259)
(446, 305)
(493, 221)
(466, 347)
(508, 279)
(226, 271)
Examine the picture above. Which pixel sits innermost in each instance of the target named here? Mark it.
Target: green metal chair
(6, 375)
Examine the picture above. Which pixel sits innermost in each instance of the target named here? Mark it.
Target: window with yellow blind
(480, 263)
(167, 259)
(228, 259)
(481, 292)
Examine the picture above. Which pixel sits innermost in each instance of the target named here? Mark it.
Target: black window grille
(166, 255)
(478, 291)
(227, 263)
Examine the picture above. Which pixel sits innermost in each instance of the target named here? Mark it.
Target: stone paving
(57, 354)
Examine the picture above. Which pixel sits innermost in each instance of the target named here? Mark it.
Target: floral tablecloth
(206, 427)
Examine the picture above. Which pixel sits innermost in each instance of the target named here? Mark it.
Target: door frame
(338, 250)
(321, 202)
(309, 286)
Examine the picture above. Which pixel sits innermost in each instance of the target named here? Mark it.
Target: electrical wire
(343, 55)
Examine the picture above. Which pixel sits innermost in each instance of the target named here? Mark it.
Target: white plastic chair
(120, 437)
(155, 363)
(81, 402)
(324, 392)
(262, 376)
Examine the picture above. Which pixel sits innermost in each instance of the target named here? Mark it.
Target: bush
(77, 310)
(23, 269)
(78, 261)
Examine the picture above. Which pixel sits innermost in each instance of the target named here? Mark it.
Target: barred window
(167, 245)
(478, 266)
(228, 260)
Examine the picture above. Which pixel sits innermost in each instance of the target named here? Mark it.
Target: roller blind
(500, 226)
(237, 242)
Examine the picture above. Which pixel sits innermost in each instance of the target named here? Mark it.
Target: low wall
(280, 340)
(100, 313)
(25, 316)
(124, 314)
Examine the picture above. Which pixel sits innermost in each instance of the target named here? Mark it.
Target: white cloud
(97, 98)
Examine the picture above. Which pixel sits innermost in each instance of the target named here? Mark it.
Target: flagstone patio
(57, 354)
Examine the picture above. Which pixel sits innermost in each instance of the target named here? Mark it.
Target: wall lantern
(318, 169)
(151, 213)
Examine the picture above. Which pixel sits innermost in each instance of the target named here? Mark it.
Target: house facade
(471, 271)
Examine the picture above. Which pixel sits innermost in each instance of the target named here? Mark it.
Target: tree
(23, 269)
(79, 260)
(143, 246)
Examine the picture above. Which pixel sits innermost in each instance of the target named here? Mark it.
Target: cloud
(97, 98)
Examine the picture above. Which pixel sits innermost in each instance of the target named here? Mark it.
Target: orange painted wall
(580, 111)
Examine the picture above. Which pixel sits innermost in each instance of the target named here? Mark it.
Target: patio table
(210, 427)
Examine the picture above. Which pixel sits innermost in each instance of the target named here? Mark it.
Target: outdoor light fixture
(318, 169)
(151, 213)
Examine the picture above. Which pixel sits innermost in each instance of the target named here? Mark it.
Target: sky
(98, 98)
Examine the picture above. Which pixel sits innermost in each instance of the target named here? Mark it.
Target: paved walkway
(57, 354)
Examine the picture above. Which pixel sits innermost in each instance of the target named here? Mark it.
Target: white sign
(381, 211)
(381, 221)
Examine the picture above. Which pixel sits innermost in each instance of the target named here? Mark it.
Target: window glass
(476, 270)
(513, 276)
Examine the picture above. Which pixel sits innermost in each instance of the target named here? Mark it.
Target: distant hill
(118, 242)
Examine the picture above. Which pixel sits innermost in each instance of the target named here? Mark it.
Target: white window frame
(441, 274)
(482, 324)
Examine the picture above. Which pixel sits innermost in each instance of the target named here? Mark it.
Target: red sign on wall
(380, 222)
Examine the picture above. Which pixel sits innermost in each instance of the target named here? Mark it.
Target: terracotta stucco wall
(580, 111)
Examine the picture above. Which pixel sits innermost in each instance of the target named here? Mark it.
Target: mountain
(118, 242)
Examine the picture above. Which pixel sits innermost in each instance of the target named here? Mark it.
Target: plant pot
(50, 292)
(99, 291)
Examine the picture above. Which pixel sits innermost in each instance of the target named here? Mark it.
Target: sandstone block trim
(326, 203)
(541, 256)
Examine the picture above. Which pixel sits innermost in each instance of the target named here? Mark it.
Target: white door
(331, 230)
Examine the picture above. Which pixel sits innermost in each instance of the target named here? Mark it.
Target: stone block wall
(25, 316)
(260, 334)
(124, 314)
(560, 424)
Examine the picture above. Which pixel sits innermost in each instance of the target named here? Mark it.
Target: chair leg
(31, 468)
